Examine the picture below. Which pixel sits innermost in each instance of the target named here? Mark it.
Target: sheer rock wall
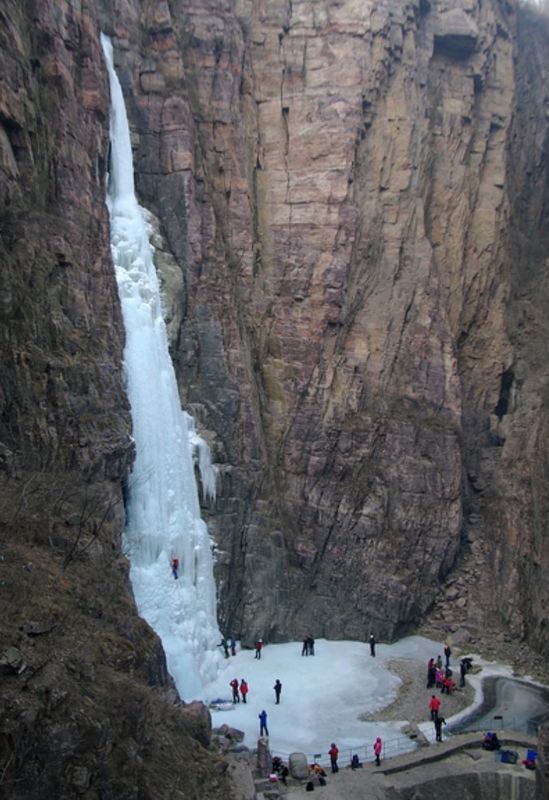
(352, 208)
(356, 195)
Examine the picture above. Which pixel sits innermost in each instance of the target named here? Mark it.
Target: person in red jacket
(243, 689)
(258, 648)
(434, 706)
(234, 686)
(378, 745)
(333, 752)
(175, 567)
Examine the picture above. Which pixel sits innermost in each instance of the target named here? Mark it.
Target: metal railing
(365, 752)
(398, 745)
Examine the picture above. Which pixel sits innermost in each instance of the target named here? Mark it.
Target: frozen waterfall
(163, 514)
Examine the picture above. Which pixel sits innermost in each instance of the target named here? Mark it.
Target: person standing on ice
(243, 689)
(234, 686)
(263, 730)
(233, 646)
(447, 654)
(372, 645)
(258, 648)
(278, 688)
(225, 646)
(333, 752)
(378, 746)
(175, 567)
(305, 648)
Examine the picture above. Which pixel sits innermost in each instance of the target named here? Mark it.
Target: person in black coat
(278, 688)
(447, 654)
(438, 722)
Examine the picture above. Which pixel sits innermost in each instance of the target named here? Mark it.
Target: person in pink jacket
(378, 745)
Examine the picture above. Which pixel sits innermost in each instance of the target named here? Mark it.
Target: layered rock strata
(352, 212)
(355, 193)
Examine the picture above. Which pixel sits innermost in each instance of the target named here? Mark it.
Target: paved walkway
(447, 763)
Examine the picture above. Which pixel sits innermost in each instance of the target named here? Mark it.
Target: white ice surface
(322, 695)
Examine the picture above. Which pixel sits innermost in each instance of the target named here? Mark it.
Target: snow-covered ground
(322, 697)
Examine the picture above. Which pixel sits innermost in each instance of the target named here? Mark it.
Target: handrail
(395, 746)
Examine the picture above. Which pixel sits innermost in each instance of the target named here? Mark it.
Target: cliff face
(352, 208)
(87, 708)
(356, 196)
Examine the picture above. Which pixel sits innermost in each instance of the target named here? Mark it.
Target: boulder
(264, 760)
(297, 764)
(11, 661)
(198, 714)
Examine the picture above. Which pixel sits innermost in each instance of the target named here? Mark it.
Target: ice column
(163, 514)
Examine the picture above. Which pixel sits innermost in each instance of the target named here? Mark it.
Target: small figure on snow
(225, 646)
(278, 688)
(263, 730)
(175, 567)
(258, 648)
(243, 689)
(372, 645)
(233, 646)
(447, 654)
(234, 686)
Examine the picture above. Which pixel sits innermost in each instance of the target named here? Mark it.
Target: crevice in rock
(505, 393)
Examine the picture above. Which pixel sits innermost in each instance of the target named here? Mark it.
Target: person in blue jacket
(263, 730)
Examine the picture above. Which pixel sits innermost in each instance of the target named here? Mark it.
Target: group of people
(333, 752)
(279, 770)
(441, 678)
(243, 688)
(226, 644)
(438, 677)
(308, 648)
(437, 719)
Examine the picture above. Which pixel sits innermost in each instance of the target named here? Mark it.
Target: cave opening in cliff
(507, 381)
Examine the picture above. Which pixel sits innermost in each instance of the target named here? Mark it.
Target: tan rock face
(358, 220)
(352, 223)
(352, 205)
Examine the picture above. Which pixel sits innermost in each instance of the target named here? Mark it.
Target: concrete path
(459, 763)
